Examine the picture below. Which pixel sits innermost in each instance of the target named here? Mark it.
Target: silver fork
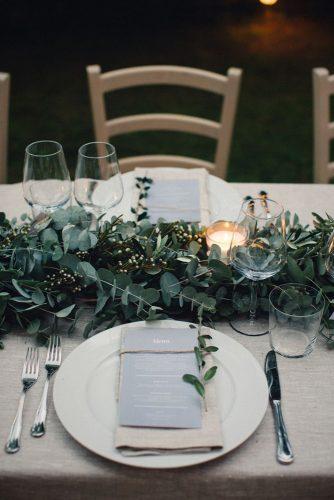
(52, 363)
(29, 377)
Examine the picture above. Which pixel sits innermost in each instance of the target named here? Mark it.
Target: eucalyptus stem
(201, 365)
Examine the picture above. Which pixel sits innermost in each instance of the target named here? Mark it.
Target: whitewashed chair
(323, 88)
(4, 108)
(226, 86)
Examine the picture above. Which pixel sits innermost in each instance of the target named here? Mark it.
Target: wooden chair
(226, 86)
(4, 108)
(323, 88)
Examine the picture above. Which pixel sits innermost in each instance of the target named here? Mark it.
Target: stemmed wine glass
(98, 184)
(46, 179)
(258, 255)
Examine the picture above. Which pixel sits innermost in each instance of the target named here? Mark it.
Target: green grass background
(273, 131)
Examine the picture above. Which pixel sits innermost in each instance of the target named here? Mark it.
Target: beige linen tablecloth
(300, 198)
(56, 467)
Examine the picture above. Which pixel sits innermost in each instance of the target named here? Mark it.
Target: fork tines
(53, 356)
(31, 364)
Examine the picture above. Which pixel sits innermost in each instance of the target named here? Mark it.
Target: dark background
(47, 45)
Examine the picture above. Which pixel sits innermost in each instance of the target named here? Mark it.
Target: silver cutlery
(52, 363)
(284, 450)
(29, 377)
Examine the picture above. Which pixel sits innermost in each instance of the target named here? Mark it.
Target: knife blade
(284, 450)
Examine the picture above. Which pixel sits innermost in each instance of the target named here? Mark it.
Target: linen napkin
(132, 441)
(176, 194)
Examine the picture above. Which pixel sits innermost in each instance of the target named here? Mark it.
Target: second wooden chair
(226, 86)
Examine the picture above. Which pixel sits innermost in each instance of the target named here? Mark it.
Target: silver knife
(284, 451)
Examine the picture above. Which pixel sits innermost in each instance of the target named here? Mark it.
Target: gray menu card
(152, 392)
(174, 199)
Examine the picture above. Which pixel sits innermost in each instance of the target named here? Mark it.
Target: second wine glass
(259, 255)
(98, 184)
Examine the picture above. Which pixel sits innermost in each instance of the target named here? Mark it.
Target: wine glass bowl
(46, 179)
(262, 251)
(98, 184)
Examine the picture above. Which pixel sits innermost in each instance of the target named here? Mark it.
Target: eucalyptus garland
(52, 268)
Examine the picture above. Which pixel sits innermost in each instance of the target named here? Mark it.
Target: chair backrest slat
(323, 88)
(4, 110)
(163, 121)
(164, 75)
(226, 86)
(149, 161)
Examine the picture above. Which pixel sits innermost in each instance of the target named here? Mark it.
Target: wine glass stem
(253, 301)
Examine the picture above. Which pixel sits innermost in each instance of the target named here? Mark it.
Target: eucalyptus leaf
(20, 289)
(86, 240)
(210, 373)
(215, 253)
(190, 379)
(194, 247)
(191, 268)
(170, 284)
(57, 253)
(88, 329)
(102, 299)
(49, 237)
(87, 271)
(220, 270)
(60, 218)
(295, 272)
(33, 326)
(321, 264)
(38, 297)
(63, 313)
(199, 388)
(211, 348)
(199, 356)
(69, 261)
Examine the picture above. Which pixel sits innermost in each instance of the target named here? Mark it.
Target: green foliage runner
(51, 269)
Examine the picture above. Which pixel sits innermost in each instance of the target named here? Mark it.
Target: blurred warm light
(268, 2)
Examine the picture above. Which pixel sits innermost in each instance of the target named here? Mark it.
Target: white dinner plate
(85, 396)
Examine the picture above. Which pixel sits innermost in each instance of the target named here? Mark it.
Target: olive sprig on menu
(202, 350)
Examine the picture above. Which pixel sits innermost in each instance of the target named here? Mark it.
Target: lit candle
(222, 233)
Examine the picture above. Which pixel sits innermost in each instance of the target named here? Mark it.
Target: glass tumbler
(295, 313)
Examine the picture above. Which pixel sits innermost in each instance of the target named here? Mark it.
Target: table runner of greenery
(51, 269)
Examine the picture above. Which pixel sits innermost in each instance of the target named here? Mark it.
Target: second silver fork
(52, 363)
